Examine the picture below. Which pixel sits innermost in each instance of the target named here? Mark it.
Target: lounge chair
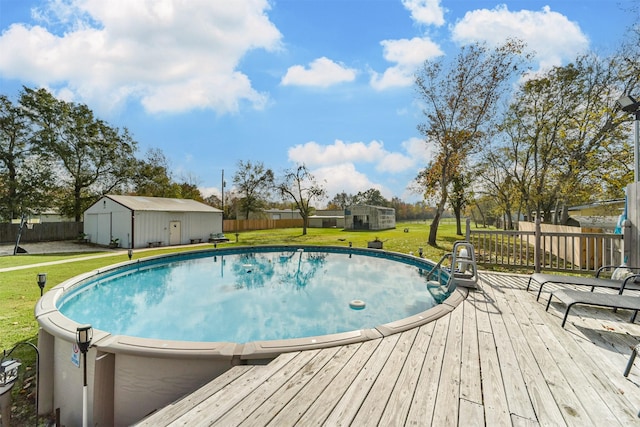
(571, 297)
(593, 282)
(635, 351)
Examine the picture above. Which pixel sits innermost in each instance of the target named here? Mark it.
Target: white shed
(137, 221)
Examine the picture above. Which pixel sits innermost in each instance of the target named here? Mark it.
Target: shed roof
(144, 203)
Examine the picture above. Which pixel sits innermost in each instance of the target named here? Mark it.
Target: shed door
(174, 232)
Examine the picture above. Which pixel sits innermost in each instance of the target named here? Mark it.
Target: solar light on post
(130, 253)
(84, 334)
(42, 282)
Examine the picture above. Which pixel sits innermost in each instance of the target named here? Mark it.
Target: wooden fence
(41, 232)
(545, 247)
(237, 225)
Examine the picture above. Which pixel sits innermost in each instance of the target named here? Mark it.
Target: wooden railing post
(467, 233)
(536, 249)
(627, 241)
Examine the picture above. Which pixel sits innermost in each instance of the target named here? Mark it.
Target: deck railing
(531, 247)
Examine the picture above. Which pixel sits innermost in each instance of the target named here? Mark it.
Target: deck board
(497, 359)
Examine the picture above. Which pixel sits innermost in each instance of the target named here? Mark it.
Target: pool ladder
(462, 268)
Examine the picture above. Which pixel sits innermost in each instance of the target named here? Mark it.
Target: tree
(562, 141)
(371, 197)
(341, 201)
(459, 104)
(253, 182)
(26, 176)
(91, 157)
(152, 176)
(300, 185)
(459, 198)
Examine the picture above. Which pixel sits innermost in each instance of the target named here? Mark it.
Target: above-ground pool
(254, 294)
(165, 325)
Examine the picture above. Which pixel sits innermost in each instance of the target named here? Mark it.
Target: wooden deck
(499, 359)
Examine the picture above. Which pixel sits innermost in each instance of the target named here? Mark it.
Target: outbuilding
(140, 221)
(367, 217)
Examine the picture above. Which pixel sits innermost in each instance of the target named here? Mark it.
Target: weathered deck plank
(510, 351)
(373, 407)
(397, 408)
(571, 369)
(497, 359)
(278, 390)
(424, 398)
(448, 396)
(345, 411)
(300, 403)
(470, 381)
(325, 402)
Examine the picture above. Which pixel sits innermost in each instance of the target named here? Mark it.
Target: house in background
(277, 214)
(325, 218)
(137, 221)
(601, 216)
(367, 217)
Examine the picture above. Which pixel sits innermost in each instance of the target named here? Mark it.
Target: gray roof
(144, 203)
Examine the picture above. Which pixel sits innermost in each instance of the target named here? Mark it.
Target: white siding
(154, 226)
(108, 219)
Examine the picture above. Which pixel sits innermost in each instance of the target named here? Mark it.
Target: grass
(19, 291)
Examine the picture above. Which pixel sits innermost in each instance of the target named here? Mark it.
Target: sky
(325, 83)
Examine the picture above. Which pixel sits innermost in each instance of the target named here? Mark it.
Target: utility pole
(222, 192)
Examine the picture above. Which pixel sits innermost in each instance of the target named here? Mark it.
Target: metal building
(138, 222)
(367, 217)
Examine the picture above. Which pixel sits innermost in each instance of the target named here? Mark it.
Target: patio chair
(594, 282)
(571, 297)
(634, 353)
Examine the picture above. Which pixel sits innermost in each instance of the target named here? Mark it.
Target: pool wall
(129, 377)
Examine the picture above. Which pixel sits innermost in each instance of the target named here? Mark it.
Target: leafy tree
(459, 100)
(459, 198)
(341, 201)
(496, 174)
(26, 176)
(152, 176)
(188, 189)
(91, 157)
(300, 185)
(371, 197)
(253, 182)
(563, 140)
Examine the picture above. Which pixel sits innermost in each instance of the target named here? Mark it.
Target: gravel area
(51, 247)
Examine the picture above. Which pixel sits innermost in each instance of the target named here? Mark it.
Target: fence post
(537, 245)
(467, 232)
(627, 241)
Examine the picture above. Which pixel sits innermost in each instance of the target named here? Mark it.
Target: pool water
(252, 296)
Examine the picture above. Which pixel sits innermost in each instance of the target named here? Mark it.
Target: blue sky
(327, 83)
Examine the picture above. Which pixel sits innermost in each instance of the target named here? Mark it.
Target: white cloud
(313, 154)
(322, 72)
(344, 177)
(550, 34)
(427, 12)
(172, 55)
(347, 166)
(408, 55)
(421, 152)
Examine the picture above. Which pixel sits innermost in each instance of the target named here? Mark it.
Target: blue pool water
(252, 294)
